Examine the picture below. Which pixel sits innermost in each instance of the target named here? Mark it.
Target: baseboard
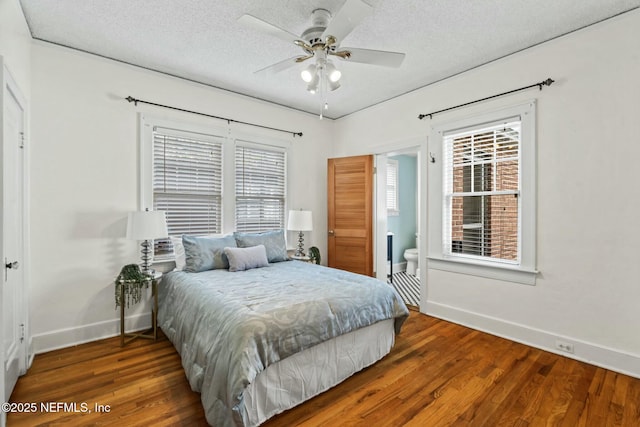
(69, 337)
(604, 357)
(401, 266)
(30, 353)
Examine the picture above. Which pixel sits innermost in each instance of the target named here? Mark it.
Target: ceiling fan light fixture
(309, 73)
(333, 73)
(312, 87)
(321, 41)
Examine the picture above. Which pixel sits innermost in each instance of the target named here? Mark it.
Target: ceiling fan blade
(282, 65)
(250, 21)
(347, 18)
(367, 56)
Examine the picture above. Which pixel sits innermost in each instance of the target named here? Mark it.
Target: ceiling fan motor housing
(319, 20)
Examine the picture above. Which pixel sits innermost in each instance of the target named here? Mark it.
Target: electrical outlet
(564, 346)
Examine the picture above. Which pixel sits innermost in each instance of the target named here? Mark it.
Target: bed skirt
(303, 375)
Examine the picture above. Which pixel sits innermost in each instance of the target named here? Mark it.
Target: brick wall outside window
(485, 225)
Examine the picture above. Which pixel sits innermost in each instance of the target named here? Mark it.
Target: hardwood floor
(438, 374)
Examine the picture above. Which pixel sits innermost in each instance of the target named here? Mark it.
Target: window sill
(491, 271)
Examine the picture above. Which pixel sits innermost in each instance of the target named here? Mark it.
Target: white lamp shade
(300, 221)
(147, 225)
(333, 73)
(308, 73)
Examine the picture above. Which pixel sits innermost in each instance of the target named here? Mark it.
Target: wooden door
(350, 214)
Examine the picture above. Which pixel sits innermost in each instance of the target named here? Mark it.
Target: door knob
(331, 232)
(14, 265)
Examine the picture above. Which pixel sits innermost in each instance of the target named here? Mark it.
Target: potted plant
(314, 255)
(129, 285)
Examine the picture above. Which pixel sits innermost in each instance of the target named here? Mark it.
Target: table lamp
(146, 226)
(300, 221)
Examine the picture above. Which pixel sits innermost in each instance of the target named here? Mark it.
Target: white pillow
(241, 259)
(178, 250)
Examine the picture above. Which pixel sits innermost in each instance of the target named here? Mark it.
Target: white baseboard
(402, 266)
(30, 353)
(69, 337)
(604, 357)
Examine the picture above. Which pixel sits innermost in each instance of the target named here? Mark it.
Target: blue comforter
(229, 326)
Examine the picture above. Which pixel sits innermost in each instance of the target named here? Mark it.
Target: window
(392, 188)
(260, 188)
(209, 181)
(481, 189)
(187, 183)
(484, 188)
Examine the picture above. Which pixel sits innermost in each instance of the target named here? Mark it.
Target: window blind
(481, 192)
(392, 187)
(260, 188)
(187, 183)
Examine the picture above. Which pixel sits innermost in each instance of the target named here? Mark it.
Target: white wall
(588, 141)
(84, 176)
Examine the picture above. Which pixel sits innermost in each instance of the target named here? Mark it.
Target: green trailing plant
(314, 254)
(133, 280)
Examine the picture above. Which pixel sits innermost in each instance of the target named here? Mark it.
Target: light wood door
(350, 214)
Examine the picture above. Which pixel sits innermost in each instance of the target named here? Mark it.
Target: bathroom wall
(403, 226)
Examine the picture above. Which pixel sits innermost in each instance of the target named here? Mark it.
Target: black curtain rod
(539, 85)
(135, 101)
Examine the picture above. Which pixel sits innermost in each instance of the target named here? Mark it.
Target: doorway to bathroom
(398, 216)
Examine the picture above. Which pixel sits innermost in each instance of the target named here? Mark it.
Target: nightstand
(150, 333)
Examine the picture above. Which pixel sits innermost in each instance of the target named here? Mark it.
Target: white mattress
(303, 375)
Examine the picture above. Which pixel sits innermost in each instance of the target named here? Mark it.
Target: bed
(292, 330)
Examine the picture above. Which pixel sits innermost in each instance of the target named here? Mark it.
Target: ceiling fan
(322, 41)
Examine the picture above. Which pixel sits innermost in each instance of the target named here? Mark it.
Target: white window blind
(260, 188)
(482, 192)
(392, 187)
(187, 183)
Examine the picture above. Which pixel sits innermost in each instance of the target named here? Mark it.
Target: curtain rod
(135, 101)
(539, 85)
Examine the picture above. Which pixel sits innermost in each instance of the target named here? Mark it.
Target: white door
(12, 200)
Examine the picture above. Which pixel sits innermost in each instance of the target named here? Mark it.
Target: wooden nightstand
(150, 333)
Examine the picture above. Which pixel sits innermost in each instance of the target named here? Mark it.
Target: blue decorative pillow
(241, 259)
(273, 242)
(206, 253)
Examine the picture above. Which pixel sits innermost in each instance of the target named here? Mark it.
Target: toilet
(411, 255)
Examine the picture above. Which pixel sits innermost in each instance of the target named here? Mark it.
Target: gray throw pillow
(241, 259)
(273, 242)
(206, 253)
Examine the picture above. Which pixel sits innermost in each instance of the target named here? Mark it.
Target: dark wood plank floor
(438, 374)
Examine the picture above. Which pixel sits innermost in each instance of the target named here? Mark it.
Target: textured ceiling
(201, 40)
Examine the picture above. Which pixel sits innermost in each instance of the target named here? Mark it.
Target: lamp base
(147, 249)
(300, 249)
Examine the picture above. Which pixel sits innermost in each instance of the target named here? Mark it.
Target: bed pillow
(206, 253)
(273, 241)
(178, 252)
(241, 259)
